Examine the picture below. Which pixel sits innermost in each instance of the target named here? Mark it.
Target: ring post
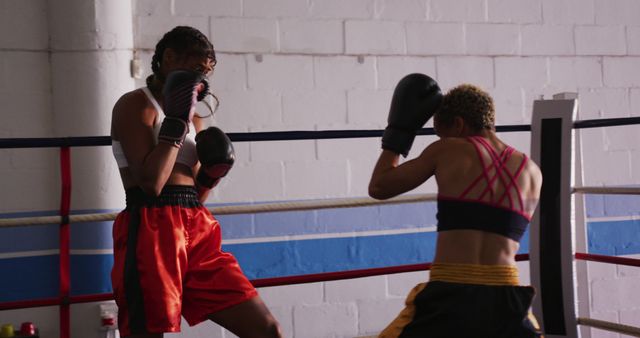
(553, 226)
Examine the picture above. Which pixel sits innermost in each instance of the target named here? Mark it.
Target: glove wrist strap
(398, 140)
(173, 131)
(206, 181)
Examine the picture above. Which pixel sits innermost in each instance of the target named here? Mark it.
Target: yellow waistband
(475, 274)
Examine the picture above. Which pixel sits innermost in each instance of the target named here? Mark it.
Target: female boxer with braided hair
(487, 193)
(168, 260)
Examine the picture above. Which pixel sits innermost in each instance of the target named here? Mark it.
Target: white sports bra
(186, 155)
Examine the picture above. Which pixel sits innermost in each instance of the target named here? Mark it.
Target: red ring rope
(608, 259)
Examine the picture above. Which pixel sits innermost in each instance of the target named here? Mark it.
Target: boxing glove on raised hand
(180, 94)
(415, 99)
(216, 155)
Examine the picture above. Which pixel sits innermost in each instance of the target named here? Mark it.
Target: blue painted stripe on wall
(28, 278)
(91, 273)
(274, 259)
(612, 205)
(37, 277)
(32, 238)
(614, 237)
(92, 236)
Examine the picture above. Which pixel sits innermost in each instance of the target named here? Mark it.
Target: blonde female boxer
(487, 193)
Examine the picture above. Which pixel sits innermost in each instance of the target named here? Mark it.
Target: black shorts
(465, 300)
(444, 310)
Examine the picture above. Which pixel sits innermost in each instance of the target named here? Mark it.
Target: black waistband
(179, 195)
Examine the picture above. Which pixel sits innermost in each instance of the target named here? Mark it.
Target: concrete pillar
(91, 46)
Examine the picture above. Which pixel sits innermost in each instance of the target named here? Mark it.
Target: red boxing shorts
(168, 262)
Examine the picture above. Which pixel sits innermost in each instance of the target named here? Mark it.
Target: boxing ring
(555, 245)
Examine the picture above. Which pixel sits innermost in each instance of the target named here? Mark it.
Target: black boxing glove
(180, 94)
(415, 99)
(216, 155)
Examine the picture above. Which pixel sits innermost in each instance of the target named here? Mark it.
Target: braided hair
(185, 41)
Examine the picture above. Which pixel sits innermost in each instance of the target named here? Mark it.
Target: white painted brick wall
(633, 40)
(515, 11)
(344, 72)
(635, 162)
(601, 102)
(245, 34)
(458, 11)
(600, 40)
(453, 71)
(214, 8)
(253, 174)
(314, 109)
(509, 104)
(286, 151)
(375, 315)
(530, 72)
(330, 320)
(571, 73)
(153, 7)
(23, 25)
(497, 39)
(148, 30)
(621, 72)
(580, 12)
(635, 101)
(334, 9)
(622, 139)
(230, 73)
(403, 10)
(330, 179)
(375, 37)
(617, 12)
(275, 8)
(435, 38)
(391, 69)
(368, 109)
(547, 40)
(248, 110)
(360, 171)
(306, 36)
(399, 285)
(371, 288)
(308, 294)
(605, 295)
(292, 72)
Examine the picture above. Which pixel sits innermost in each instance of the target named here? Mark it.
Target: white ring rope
(234, 209)
(608, 190)
(609, 326)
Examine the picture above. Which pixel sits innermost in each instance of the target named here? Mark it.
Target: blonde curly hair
(471, 103)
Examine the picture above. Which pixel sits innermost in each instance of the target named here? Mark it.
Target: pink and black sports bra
(488, 211)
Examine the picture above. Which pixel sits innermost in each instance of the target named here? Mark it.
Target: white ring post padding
(552, 230)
